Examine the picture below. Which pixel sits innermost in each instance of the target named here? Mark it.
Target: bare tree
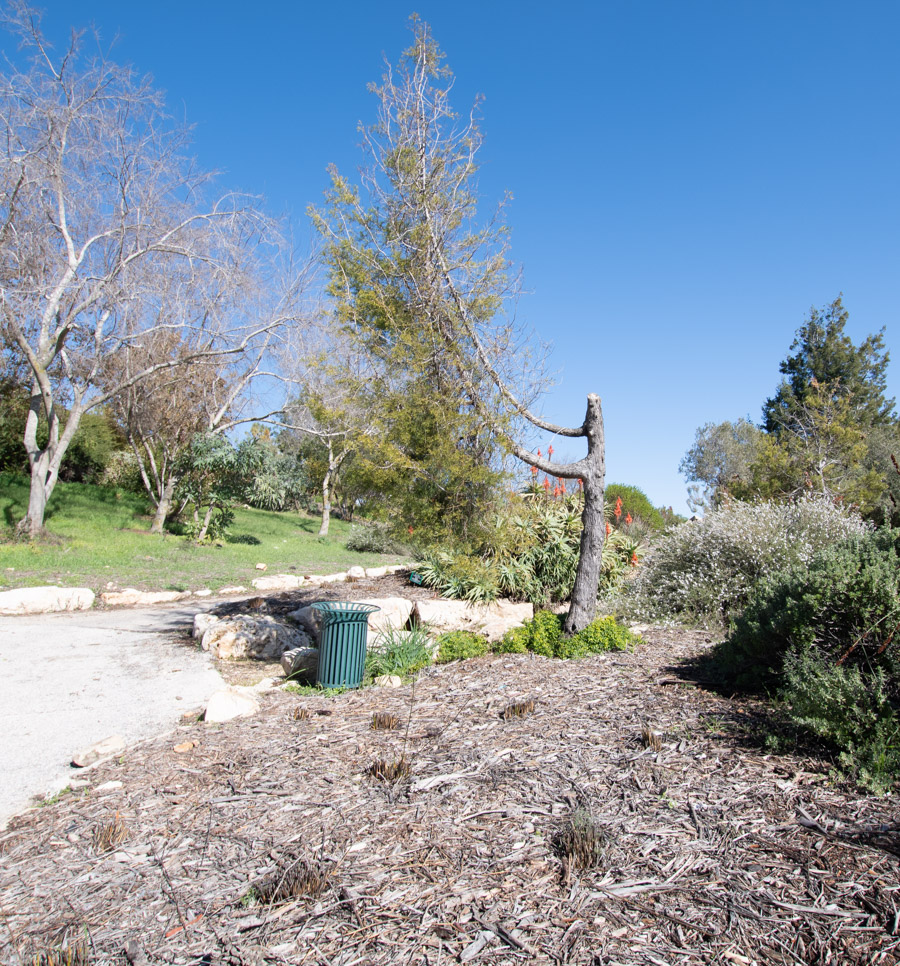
(426, 287)
(99, 204)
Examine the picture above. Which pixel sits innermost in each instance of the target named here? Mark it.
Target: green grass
(100, 535)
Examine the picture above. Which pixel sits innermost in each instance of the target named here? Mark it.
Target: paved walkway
(69, 680)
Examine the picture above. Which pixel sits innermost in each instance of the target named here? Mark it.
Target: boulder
(261, 638)
(205, 592)
(108, 748)
(376, 571)
(230, 703)
(42, 600)
(339, 578)
(202, 623)
(356, 573)
(262, 566)
(394, 612)
(388, 681)
(278, 582)
(301, 662)
(129, 597)
(233, 590)
(493, 620)
(309, 620)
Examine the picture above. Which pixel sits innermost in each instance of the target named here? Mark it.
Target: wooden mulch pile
(627, 818)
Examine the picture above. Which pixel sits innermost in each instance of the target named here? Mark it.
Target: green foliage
(854, 712)
(544, 635)
(842, 606)
(460, 645)
(637, 503)
(823, 355)
(459, 576)
(100, 534)
(398, 652)
(825, 635)
(705, 570)
(373, 537)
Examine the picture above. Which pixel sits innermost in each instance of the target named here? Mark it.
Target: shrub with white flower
(704, 569)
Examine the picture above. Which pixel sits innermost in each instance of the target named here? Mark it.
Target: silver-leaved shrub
(704, 570)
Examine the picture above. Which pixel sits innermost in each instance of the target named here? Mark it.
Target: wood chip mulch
(278, 838)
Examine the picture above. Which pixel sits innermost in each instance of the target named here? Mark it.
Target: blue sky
(687, 178)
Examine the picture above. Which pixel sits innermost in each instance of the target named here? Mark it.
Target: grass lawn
(100, 535)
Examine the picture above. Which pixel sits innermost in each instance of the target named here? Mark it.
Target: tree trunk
(41, 488)
(326, 504)
(164, 506)
(583, 607)
(201, 536)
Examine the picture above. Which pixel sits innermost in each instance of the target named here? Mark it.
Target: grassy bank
(100, 535)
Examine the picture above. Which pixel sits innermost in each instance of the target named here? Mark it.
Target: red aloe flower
(618, 510)
(547, 484)
(628, 518)
(550, 450)
(534, 471)
(634, 559)
(608, 529)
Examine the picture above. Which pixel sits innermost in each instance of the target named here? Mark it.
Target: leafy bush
(529, 552)
(373, 538)
(398, 652)
(460, 645)
(459, 576)
(544, 635)
(826, 636)
(841, 607)
(852, 711)
(636, 503)
(705, 570)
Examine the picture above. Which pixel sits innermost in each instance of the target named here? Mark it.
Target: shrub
(460, 645)
(544, 635)
(636, 503)
(851, 711)
(705, 570)
(841, 607)
(373, 538)
(826, 636)
(459, 576)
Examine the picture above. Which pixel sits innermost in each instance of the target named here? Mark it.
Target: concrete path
(70, 680)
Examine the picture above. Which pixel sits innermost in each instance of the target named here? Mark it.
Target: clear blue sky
(688, 178)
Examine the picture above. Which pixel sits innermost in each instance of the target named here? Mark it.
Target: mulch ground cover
(601, 811)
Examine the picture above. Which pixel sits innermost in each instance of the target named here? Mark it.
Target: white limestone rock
(107, 748)
(261, 638)
(279, 582)
(44, 600)
(229, 703)
(493, 620)
(129, 597)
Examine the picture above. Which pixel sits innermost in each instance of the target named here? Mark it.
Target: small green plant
(399, 652)
(544, 635)
(460, 645)
(312, 689)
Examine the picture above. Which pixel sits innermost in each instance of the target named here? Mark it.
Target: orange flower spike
(550, 450)
(534, 471)
(618, 510)
(539, 452)
(547, 484)
(628, 518)
(580, 483)
(634, 559)
(608, 529)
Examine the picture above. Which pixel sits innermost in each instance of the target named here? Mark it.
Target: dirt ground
(284, 838)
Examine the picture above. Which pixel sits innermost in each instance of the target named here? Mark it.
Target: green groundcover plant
(544, 635)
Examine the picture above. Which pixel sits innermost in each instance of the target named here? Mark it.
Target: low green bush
(842, 606)
(825, 636)
(544, 635)
(373, 538)
(705, 570)
(460, 645)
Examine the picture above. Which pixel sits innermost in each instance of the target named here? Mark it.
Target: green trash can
(342, 643)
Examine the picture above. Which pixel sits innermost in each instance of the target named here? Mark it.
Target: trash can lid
(346, 609)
